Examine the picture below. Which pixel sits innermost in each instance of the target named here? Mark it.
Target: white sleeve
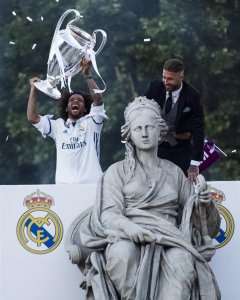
(46, 126)
(97, 113)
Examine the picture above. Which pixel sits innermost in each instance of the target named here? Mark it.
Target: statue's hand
(202, 190)
(137, 234)
(204, 196)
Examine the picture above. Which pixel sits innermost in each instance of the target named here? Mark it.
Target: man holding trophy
(77, 131)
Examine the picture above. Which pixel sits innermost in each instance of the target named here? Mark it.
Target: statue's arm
(113, 209)
(205, 212)
(205, 202)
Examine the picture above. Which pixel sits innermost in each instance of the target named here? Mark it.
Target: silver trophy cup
(68, 47)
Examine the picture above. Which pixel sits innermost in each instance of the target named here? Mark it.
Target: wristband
(88, 76)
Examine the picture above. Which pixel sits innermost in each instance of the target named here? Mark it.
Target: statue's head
(136, 112)
(145, 107)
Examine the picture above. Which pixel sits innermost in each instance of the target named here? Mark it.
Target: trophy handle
(104, 39)
(59, 24)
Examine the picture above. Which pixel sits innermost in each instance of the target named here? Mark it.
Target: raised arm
(32, 115)
(86, 66)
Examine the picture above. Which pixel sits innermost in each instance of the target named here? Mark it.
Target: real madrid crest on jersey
(81, 128)
(39, 230)
(227, 222)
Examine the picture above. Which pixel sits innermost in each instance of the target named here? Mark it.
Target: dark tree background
(205, 34)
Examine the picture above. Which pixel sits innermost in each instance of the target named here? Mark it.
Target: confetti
(234, 151)
(57, 0)
(7, 138)
(12, 43)
(34, 46)
(13, 12)
(123, 142)
(29, 19)
(42, 18)
(147, 40)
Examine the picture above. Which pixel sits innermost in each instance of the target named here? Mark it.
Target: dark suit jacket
(190, 116)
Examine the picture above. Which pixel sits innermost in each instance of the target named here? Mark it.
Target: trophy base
(45, 87)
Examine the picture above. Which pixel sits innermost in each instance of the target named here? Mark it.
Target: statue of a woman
(149, 232)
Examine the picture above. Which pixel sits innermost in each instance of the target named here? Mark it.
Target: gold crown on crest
(38, 199)
(217, 195)
(141, 102)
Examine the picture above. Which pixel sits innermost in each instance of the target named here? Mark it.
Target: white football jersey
(78, 145)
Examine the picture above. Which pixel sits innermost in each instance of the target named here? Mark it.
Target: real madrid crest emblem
(81, 128)
(226, 230)
(39, 230)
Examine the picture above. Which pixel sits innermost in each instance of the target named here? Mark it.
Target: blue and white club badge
(39, 230)
(226, 230)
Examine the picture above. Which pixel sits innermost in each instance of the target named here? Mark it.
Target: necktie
(168, 105)
(73, 124)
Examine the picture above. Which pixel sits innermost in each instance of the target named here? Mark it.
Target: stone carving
(149, 234)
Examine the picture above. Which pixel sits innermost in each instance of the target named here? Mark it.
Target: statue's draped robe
(164, 204)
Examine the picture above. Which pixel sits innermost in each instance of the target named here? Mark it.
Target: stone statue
(149, 234)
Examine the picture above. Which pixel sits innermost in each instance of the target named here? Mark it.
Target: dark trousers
(179, 155)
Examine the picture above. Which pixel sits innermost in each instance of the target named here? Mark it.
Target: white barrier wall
(50, 276)
(34, 264)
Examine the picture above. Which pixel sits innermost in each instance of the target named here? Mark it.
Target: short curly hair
(63, 102)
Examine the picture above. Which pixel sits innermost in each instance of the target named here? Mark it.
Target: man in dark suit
(183, 113)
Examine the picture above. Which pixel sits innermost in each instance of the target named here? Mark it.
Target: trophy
(68, 47)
